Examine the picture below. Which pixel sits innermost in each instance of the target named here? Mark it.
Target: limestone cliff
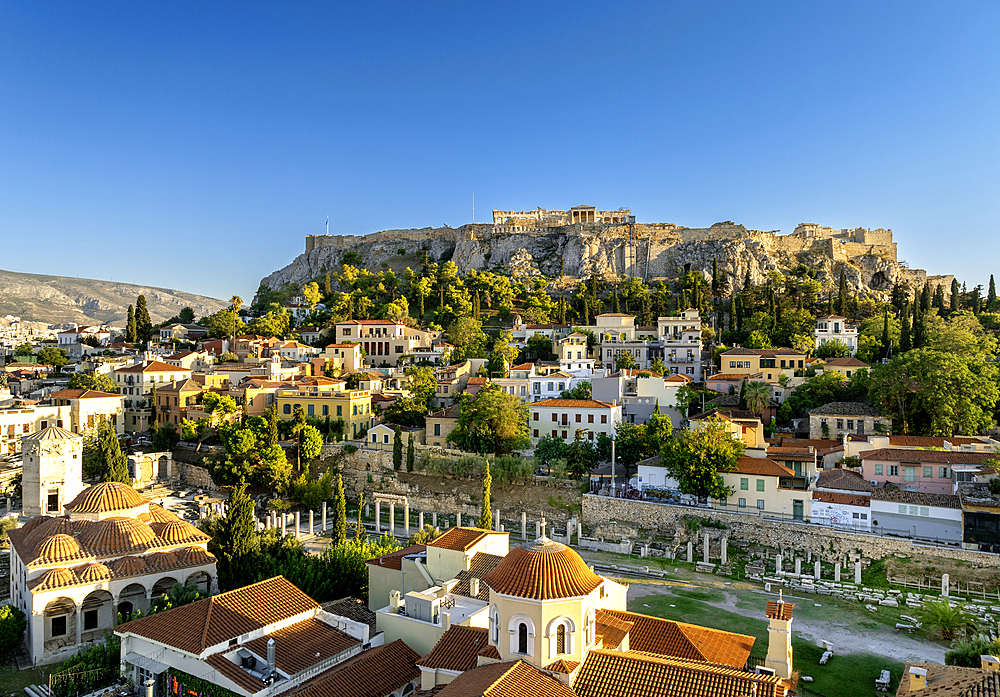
(651, 251)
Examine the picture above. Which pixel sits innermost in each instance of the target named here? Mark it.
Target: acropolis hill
(583, 240)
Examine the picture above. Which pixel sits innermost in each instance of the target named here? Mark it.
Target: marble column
(725, 551)
(378, 527)
(857, 572)
(496, 519)
(817, 570)
(524, 525)
(312, 530)
(708, 547)
(420, 520)
(777, 563)
(945, 586)
(579, 533)
(406, 518)
(538, 529)
(392, 517)
(434, 520)
(798, 566)
(458, 520)
(298, 520)
(79, 624)
(324, 516)
(836, 572)
(690, 556)
(284, 523)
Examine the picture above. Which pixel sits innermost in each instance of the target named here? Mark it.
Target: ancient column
(420, 520)
(817, 570)
(284, 523)
(378, 527)
(798, 566)
(324, 516)
(708, 546)
(725, 551)
(298, 518)
(434, 520)
(524, 525)
(496, 519)
(945, 589)
(458, 519)
(538, 529)
(777, 563)
(857, 573)
(690, 556)
(392, 517)
(312, 530)
(836, 572)
(579, 533)
(406, 518)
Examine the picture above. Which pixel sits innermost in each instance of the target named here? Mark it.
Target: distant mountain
(62, 299)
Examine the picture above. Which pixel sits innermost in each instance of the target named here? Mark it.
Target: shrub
(12, 626)
(5, 525)
(350, 449)
(511, 469)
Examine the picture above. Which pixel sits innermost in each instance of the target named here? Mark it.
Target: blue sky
(194, 148)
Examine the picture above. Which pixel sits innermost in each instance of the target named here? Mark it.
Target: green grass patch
(13, 681)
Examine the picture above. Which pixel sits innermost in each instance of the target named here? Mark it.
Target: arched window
(561, 639)
(495, 624)
(522, 635)
(560, 634)
(522, 638)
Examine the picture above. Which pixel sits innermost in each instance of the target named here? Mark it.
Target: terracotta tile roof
(481, 564)
(916, 498)
(394, 561)
(767, 353)
(235, 673)
(463, 539)
(762, 466)
(573, 403)
(933, 441)
(944, 457)
(511, 679)
(303, 644)
(664, 637)
(477, 380)
(543, 570)
(846, 409)
(82, 394)
(951, 681)
(524, 366)
(153, 367)
(842, 499)
(195, 627)
(562, 666)
(779, 610)
(105, 498)
(637, 674)
(848, 362)
(490, 651)
(372, 673)
(452, 412)
(843, 479)
(457, 649)
(611, 629)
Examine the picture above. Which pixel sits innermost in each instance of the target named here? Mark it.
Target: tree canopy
(491, 422)
(695, 459)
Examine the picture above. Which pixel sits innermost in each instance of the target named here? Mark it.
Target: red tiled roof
(105, 498)
(303, 644)
(842, 499)
(82, 394)
(944, 457)
(394, 561)
(457, 649)
(762, 466)
(372, 673)
(517, 679)
(573, 403)
(542, 570)
(153, 367)
(463, 538)
(779, 610)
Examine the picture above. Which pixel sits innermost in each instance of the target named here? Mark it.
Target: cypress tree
(991, 295)
(955, 295)
(742, 400)
(327, 290)
(359, 529)
(239, 543)
(746, 281)
(829, 303)
(130, 335)
(925, 299)
(115, 462)
(410, 454)
(486, 512)
(904, 330)
(143, 325)
(340, 513)
(938, 301)
(842, 294)
(917, 339)
(977, 293)
(716, 285)
(739, 312)
(886, 347)
(272, 427)
(397, 449)
(617, 306)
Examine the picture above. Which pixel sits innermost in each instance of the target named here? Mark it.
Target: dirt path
(841, 629)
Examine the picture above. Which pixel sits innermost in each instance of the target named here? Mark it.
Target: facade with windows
(771, 364)
(551, 386)
(382, 437)
(136, 384)
(927, 471)
(384, 341)
(560, 418)
(837, 419)
(321, 401)
(917, 514)
(760, 485)
(836, 328)
(77, 411)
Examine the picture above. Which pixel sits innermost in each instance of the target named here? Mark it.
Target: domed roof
(90, 573)
(542, 570)
(51, 433)
(162, 560)
(58, 548)
(116, 535)
(54, 578)
(176, 531)
(48, 528)
(159, 514)
(33, 523)
(194, 556)
(129, 566)
(105, 498)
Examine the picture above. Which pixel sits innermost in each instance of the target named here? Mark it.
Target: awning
(145, 662)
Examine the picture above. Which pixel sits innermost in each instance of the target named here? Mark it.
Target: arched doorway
(201, 580)
(163, 586)
(97, 615)
(132, 599)
(60, 624)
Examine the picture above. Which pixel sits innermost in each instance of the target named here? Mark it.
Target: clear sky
(194, 145)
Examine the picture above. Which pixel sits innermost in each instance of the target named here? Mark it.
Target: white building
(560, 418)
(77, 411)
(836, 328)
(551, 386)
(111, 553)
(384, 341)
(136, 384)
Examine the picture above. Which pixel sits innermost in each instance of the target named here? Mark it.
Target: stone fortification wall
(825, 542)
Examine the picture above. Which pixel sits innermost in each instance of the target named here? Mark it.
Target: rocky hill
(652, 251)
(62, 300)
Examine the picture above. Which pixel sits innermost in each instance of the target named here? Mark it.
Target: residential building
(174, 400)
(652, 391)
(921, 679)
(194, 361)
(560, 418)
(521, 331)
(440, 424)
(761, 485)
(680, 340)
(136, 384)
(936, 517)
(451, 380)
(770, 363)
(836, 328)
(382, 437)
(928, 471)
(182, 332)
(384, 341)
(517, 387)
(726, 383)
(294, 351)
(741, 425)
(837, 419)
(845, 366)
(552, 385)
(78, 411)
(263, 640)
(113, 550)
(343, 358)
(320, 401)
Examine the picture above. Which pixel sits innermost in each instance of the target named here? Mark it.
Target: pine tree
(239, 542)
(955, 295)
(114, 460)
(486, 512)
(340, 513)
(991, 295)
(143, 325)
(130, 335)
(716, 284)
(397, 449)
(904, 330)
(410, 454)
(842, 294)
(359, 529)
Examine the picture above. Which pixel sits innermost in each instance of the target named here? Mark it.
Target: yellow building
(760, 485)
(742, 425)
(321, 401)
(770, 363)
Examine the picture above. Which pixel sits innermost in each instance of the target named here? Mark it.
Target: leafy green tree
(179, 594)
(238, 542)
(143, 324)
(165, 437)
(131, 333)
(539, 348)
(582, 390)
(23, 350)
(835, 348)
(630, 444)
(580, 456)
(55, 357)
(220, 325)
(102, 382)
(422, 384)
(626, 361)
(758, 340)
(339, 534)
(550, 448)
(310, 291)
(310, 443)
(502, 354)
(410, 454)
(397, 449)
(492, 422)
(695, 459)
(425, 535)
(186, 316)
(405, 412)
(486, 509)
(13, 623)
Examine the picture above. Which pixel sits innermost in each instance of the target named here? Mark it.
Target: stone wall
(195, 475)
(827, 543)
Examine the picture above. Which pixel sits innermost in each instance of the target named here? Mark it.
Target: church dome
(129, 566)
(59, 548)
(194, 556)
(105, 498)
(158, 514)
(91, 573)
(33, 523)
(542, 570)
(116, 535)
(162, 560)
(54, 578)
(177, 531)
(47, 528)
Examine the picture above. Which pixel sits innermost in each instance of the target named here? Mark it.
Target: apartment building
(77, 411)
(321, 401)
(836, 328)
(771, 364)
(384, 341)
(136, 384)
(560, 418)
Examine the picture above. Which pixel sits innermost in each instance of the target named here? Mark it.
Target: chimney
(271, 648)
(474, 587)
(989, 662)
(150, 687)
(394, 601)
(918, 679)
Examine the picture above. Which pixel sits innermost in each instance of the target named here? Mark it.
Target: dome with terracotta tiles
(129, 566)
(91, 573)
(176, 531)
(48, 528)
(194, 556)
(542, 570)
(55, 578)
(33, 523)
(106, 497)
(162, 560)
(59, 548)
(159, 514)
(116, 535)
